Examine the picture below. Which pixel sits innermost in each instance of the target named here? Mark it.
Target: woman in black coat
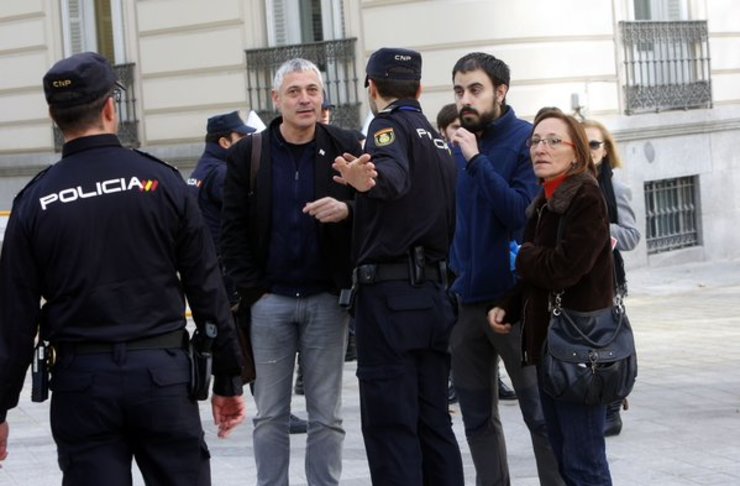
(580, 264)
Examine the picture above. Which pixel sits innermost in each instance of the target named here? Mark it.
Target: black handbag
(588, 357)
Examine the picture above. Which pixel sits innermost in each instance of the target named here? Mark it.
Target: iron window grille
(672, 214)
(667, 65)
(128, 126)
(334, 58)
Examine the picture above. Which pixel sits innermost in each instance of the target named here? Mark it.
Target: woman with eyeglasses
(622, 224)
(577, 261)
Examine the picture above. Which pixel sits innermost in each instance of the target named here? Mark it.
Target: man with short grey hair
(286, 230)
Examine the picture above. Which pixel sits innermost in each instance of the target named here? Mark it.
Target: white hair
(295, 65)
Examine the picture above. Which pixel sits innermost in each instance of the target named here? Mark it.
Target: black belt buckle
(366, 273)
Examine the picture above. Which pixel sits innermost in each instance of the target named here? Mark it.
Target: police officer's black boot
(613, 424)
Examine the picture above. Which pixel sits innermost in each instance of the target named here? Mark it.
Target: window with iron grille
(672, 214)
(666, 65)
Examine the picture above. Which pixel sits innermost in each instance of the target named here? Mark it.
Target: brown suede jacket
(581, 264)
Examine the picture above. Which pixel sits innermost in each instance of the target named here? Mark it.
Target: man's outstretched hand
(358, 172)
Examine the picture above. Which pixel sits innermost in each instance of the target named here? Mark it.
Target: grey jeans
(475, 351)
(318, 327)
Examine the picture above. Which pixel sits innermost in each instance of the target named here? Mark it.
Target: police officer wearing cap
(404, 222)
(110, 241)
(207, 179)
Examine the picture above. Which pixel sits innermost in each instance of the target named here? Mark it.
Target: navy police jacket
(207, 181)
(413, 201)
(112, 241)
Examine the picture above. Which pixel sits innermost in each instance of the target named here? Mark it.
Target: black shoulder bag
(241, 312)
(588, 357)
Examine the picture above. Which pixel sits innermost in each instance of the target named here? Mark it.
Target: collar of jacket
(401, 104)
(563, 196)
(493, 127)
(215, 151)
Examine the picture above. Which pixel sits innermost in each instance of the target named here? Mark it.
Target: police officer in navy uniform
(113, 242)
(404, 222)
(207, 179)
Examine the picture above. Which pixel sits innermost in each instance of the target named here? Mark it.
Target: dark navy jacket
(113, 241)
(413, 201)
(493, 192)
(247, 218)
(207, 181)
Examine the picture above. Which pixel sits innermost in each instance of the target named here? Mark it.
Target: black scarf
(605, 182)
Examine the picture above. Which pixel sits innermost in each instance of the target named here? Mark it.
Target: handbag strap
(584, 336)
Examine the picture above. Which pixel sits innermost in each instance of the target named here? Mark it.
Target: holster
(40, 373)
(201, 361)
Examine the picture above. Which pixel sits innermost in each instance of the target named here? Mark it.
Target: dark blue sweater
(294, 264)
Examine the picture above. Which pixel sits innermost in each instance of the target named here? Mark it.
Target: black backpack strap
(254, 163)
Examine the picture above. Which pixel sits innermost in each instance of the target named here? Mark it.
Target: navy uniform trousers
(402, 365)
(111, 406)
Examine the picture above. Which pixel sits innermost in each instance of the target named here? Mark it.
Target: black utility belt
(170, 340)
(384, 272)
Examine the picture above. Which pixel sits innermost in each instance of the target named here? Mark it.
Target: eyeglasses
(550, 142)
(595, 144)
(117, 95)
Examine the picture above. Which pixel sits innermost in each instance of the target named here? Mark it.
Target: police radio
(40, 373)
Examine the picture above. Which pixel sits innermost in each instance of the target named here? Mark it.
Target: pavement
(682, 427)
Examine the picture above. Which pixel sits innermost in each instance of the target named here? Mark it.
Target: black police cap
(79, 79)
(394, 63)
(229, 122)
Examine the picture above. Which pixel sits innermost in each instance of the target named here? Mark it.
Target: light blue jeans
(281, 326)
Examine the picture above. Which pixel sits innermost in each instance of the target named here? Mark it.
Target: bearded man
(495, 185)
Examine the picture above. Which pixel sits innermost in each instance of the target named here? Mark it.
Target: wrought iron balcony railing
(128, 127)
(335, 59)
(666, 66)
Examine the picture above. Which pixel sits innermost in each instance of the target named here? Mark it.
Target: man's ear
(501, 91)
(109, 110)
(373, 89)
(224, 142)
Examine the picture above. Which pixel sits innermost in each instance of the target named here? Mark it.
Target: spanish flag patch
(384, 137)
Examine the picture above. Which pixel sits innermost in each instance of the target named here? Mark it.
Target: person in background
(327, 109)
(111, 243)
(622, 225)
(579, 262)
(404, 222)
(286, 243)
(448, 121)
(496, 183)
(207, 179)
